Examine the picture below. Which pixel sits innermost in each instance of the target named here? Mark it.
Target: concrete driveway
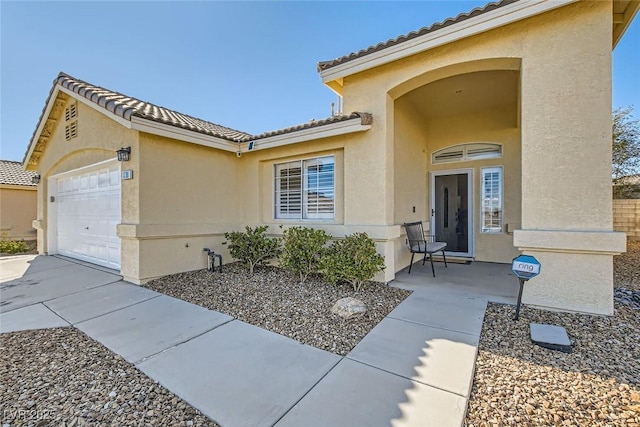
(414, 369)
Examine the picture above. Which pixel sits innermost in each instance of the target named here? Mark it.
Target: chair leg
(424, 258)
(433, 270)
(411, 264)
(445, 258)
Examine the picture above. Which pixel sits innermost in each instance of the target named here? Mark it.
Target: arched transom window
(466, 152)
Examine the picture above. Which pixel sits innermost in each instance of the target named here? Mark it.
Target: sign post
(525, 267)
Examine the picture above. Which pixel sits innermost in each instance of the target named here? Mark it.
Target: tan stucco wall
(189, 197)
(355, 186)
(98, 139)
(564, 58)
(18, 209)
(626, 217)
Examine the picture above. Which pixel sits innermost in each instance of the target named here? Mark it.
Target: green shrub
(353, 259)
(13, 246)
(252, 247)
(302, 249)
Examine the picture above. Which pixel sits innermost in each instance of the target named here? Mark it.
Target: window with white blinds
(305, 189)
(491, 220)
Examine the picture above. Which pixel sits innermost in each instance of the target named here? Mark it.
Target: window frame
(483, 196)
(467, 152)
(304, 214)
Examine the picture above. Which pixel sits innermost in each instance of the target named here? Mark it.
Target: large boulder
(348, 308)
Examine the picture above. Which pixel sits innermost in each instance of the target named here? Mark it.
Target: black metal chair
(420, 243)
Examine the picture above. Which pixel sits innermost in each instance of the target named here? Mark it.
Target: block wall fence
(626, 217)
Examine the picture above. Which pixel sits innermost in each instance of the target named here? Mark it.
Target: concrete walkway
(415, 368)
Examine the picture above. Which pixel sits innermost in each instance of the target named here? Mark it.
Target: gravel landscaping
(61, 377)
(518, 383)
(275, 300)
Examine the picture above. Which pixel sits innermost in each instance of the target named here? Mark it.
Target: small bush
(353, 260)
(252, 247)
(13, 246)
(302, 249)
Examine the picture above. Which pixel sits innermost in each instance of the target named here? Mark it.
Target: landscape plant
(302, 249)
(8, 246)
(252, 247)
(353, 259)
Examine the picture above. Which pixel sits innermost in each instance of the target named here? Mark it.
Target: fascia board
(324, 131)
(161, 129)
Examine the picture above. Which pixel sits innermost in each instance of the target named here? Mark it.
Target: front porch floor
(484, 280)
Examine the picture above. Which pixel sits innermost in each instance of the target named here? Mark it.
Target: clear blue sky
(246, 65)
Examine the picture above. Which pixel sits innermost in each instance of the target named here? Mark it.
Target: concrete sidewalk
(414, 369)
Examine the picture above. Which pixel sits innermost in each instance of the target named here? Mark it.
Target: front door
(451, 205)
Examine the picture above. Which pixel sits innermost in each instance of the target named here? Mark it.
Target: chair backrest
(415, 233)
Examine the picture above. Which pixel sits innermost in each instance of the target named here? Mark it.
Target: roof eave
(41, 122)
(162, 129)
(343, 127)
(626, 19)
(332, 77)
(29, 187)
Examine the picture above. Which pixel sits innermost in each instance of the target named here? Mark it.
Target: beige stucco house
(494, 128)
(18, 201)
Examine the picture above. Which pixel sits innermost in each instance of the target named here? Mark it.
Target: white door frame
(52, 207)
(470, 207)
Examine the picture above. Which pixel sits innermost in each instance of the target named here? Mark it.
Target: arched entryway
(457, 156)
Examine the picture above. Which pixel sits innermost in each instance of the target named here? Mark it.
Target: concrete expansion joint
(309, 391)
(465, 396)
(107, 312)
(82, 290)
(151, 356)
(432, 326)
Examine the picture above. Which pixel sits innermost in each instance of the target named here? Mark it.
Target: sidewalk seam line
(103, 314)
(49, 308)
(411, 379)
(431, 326)
(62, 296)
(308, 391)
(144, 359)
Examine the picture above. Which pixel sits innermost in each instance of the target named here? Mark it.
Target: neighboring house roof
(324, 65)
(141, 115)
(628, 180)
(12, 173)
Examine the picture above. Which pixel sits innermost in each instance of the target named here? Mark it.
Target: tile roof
(128, 107)
(325, 65)
(12, 173)
(365, 119)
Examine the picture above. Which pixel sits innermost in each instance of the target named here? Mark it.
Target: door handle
(433, 212)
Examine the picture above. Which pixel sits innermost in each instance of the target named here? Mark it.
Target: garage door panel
(88, 212)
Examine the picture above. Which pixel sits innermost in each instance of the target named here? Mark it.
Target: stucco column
(566, 170)
(368, 170)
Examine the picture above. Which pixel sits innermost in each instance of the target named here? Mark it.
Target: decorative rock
(627, 297)
(349, 307)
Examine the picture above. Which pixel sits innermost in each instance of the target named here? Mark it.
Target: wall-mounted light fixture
(123, 154)
(35, 179)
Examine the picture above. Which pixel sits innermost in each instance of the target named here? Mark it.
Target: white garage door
(87, 207)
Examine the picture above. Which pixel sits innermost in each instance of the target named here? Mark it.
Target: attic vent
(71, 111)
(466, 152)
(71, 130)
